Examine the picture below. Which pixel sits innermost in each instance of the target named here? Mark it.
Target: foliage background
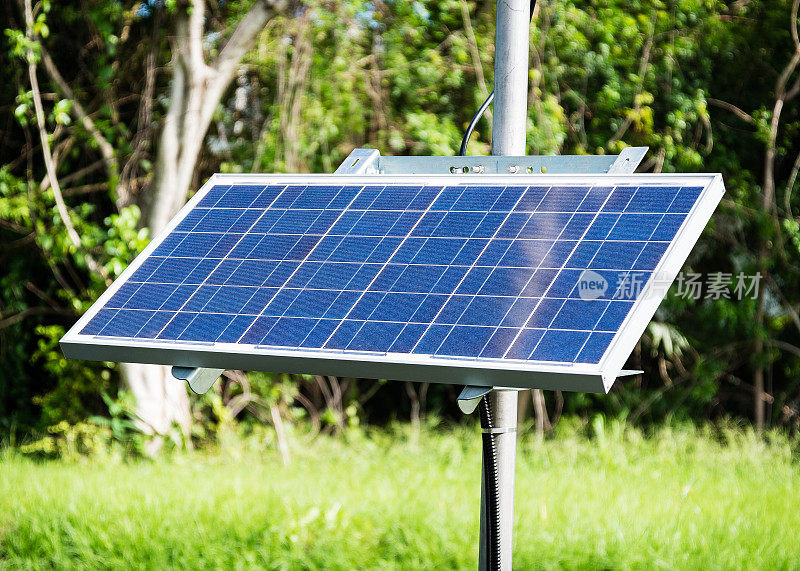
(709, 85)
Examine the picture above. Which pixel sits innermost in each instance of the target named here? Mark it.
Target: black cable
(477, 117)
(471, 127)
(491, 489)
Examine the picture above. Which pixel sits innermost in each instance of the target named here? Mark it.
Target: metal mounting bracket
(370, 161)
(629, 373)
(199, 379)
(628, 160)
(470, 397)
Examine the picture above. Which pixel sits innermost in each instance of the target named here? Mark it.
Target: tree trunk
(161, 401)
(196, 90)
(523, 404)
(542, 422)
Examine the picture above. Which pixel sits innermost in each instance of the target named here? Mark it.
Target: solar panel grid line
(232, 314)
(300, 264)
(612, 229)
(120, 282)
(344, 209)
(432, 238)
(598, 251)
(221, 260)
(209, 301)
(549, 193)
(663, 215)
(399, 246)
(367, 205)
(299, 293)
(496, 333)
(637, 319)
(350, 342)
(112, 291)
(598, 210)
(370, 317)
(427, 328)
(633, 263)
(526, 332)
(511, 342)
(600, 318)
(538, 208)
(464, 277)
(256, 325)
(262, 188)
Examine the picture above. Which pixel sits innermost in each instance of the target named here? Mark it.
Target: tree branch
(792, 93)
(20, 315)
(195, 93)
(48, 157)
(106, 150)
(244, 34)
(141, 140)
(787, 203)
(475, 53)
(732, 108)
(785, 302)
(75, 175)
(31, 287)
(240, 41)
(781, 97)
(784, 346)
(644, 62)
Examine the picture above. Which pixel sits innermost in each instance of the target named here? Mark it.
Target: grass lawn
(681, 498)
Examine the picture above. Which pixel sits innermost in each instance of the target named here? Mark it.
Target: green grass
(678, 499)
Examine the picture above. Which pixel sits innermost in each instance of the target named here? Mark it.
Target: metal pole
(503, 403)
(510, 119)
(510, 109)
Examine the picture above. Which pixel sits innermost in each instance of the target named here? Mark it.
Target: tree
(195, 89)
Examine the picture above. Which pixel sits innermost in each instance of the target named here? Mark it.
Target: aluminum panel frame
(479, 372)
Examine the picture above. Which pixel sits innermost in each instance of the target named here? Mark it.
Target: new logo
(591, 285)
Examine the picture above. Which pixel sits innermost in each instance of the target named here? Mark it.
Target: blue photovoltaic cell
(543, 273)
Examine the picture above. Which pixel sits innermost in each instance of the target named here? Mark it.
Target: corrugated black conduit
(492, 488)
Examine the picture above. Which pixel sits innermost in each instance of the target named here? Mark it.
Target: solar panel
(526, 281)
